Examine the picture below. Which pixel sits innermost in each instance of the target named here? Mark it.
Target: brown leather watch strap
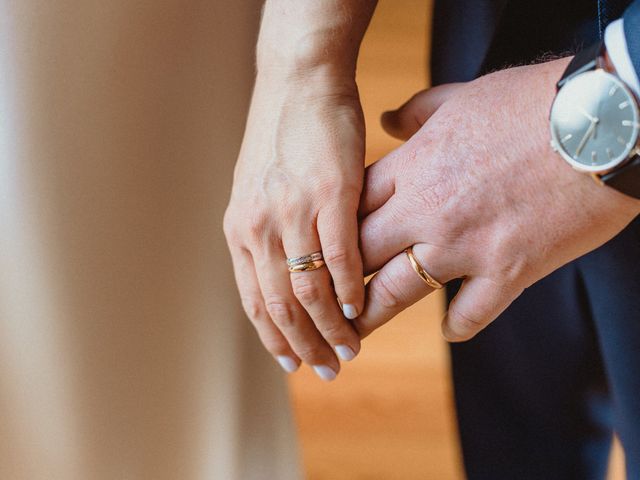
(625, 179)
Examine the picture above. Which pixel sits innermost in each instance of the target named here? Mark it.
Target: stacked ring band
(305, 263)
(424, 275)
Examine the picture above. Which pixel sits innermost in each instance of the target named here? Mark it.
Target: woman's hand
(296, 191)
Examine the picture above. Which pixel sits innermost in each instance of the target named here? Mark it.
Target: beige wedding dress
(124, 353)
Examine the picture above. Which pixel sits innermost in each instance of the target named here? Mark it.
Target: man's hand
(482, 196)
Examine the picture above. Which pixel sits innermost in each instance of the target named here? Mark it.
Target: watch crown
(554, 147)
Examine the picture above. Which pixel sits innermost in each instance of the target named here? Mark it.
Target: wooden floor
(389, 414)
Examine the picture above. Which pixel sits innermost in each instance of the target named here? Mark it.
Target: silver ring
(312, 257)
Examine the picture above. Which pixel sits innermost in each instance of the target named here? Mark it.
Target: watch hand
(583, 142)
(591, 118)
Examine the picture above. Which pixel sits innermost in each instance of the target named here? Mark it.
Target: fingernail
(288, 364)
(350, 311)
(345, 353)
(325, 373)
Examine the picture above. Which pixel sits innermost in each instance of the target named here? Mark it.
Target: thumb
(409, 118)
(478, 303)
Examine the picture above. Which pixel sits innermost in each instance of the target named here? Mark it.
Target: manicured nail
(325, 373)
(345, 353)
(350, 311)
(288, 364)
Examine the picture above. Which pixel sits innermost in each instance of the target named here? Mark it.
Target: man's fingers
(397, 286)
(409, 118)
(380, 177)
(380, 181)
(338, 233)
(254, 307)
(477, 304)
(383, 234)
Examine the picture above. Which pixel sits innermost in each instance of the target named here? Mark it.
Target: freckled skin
(477, 189)
(485, 197)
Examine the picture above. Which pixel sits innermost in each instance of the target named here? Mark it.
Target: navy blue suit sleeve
(632, 33)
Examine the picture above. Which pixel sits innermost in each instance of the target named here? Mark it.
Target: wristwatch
(595, 122)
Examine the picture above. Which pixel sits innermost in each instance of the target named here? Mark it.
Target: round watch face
(594, 121)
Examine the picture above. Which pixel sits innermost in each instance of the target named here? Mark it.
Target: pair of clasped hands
(475, 189)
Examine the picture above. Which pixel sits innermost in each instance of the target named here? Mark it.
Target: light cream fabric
(124, 353)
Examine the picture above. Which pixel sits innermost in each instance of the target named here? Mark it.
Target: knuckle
(331, 189)
(337, 256)
(229, 225)
(386, 292)
(305, 289)
(310, 353)
(515, 272)
(464, 325)
(257, 226)
(335, 331)
(246, 223)
(274, 344)
(349, 195)
(504, 291)
(432, 191)
(253, 308)
(281, 312)
(510, 262)
(295, 208)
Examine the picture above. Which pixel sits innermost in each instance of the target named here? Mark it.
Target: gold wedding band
(307, 266)
(424, 275)
(306, 263)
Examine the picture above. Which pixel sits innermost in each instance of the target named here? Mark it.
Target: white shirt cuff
(616, 43)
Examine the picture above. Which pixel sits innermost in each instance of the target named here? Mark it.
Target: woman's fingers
(253, 305)
(397, 286)
(315, 292)
(290, 317)
(338, 232)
